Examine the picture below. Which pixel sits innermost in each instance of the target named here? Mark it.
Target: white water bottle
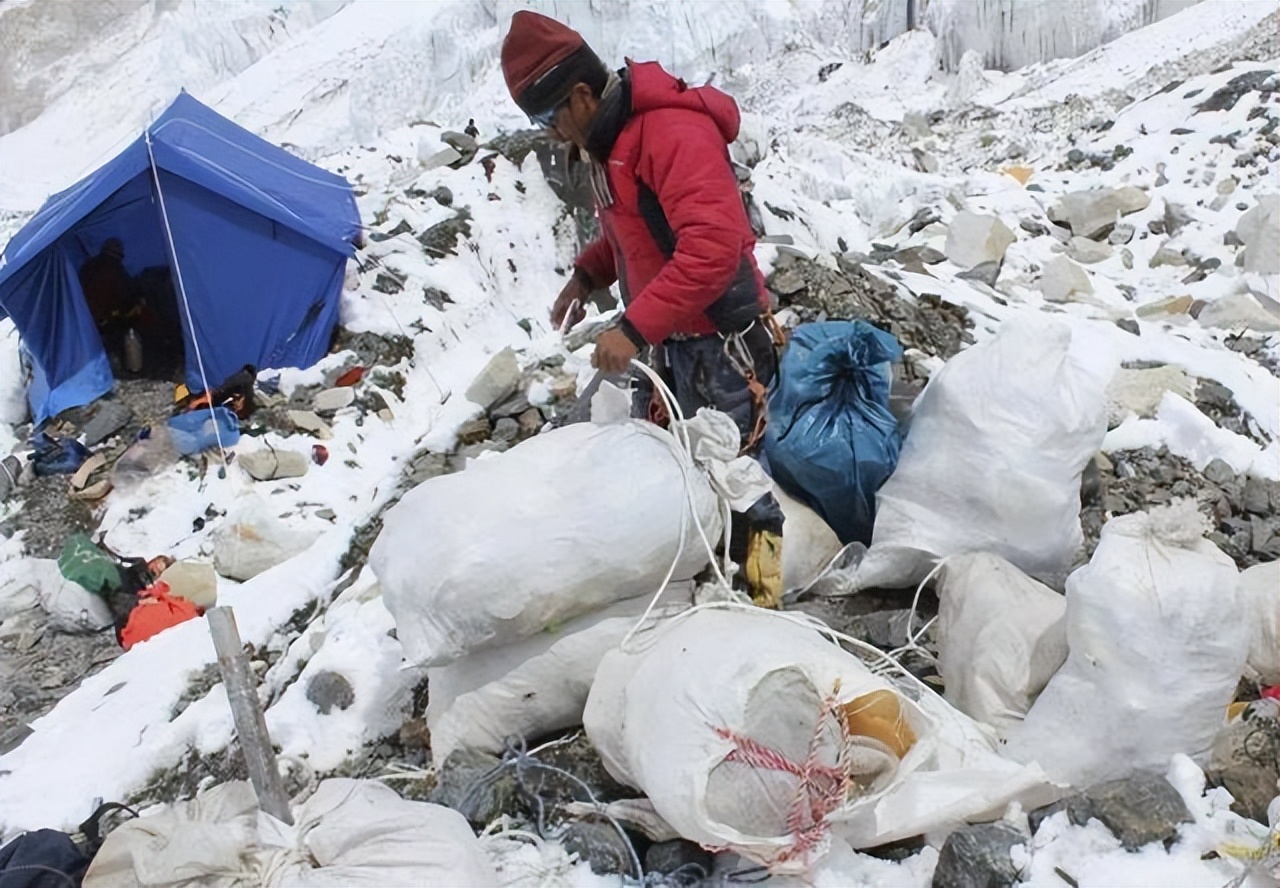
(133, 351)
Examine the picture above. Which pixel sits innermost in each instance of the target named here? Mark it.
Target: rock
(986, 272)
(925, 255)
(1265, 537)
(498, 380)
(1239, 310)
(441, 239)
(463, 144)
(473, 431)
(1033, 227)
(1173, 305)
(330, 690)
(973, 239)
(1224, 98)
(1231, 239)
(1087, 252)
(444, 157)
(111, 417)
(787, 282)
(272, 465)
(886, 630)
(1176, 218)
(1121, 234)
(1138, 809)
(599, 844)
(530, 422)
(564, 388)
(1126, 259)
(387, 283)
(979, 857)
(1093, 213)
(506, 430)
(1259, 496)
(442, 196)
(680, 856)
(1062, 279)
(1246, 760)
(1259, 231)
(1139, 391)
(334, 399)
(1219, 471)
(472, 784)
(307, 421)
(1129, 325)
(1167, 255)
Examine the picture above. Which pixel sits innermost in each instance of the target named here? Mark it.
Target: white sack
(1260, 599)
(1001, 636)
(693, 719)
(1157, 648)
(348, 833)
(529, 688)
(999, 439)
(71, 608)
(808, 542)
(561, 525)
(255, 539)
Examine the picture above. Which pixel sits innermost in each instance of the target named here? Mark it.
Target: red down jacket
(674, 146)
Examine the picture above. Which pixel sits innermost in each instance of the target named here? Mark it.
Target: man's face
(571, 120)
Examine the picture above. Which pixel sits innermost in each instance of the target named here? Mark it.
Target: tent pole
(182, 290)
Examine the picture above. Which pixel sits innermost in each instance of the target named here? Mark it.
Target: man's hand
(578, 288)
(614, 351)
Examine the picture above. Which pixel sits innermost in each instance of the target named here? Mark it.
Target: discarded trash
(1143, 680)
(831, 440)
(561, 525)
(254, 539)
(349, 832)
(749, 732)
(1001, 637)
(1260, 603)
(810, 542)
(57, 456)
(84, 563)
(319, 454)
(527, 689)
(70, 607)
(194, 432)
(152, 452)
(999, 439)
(155, 612)
(350, 377)
(196, 581)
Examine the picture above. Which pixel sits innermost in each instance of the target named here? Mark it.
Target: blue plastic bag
(193, 432)
(57, 456)
(831, 440)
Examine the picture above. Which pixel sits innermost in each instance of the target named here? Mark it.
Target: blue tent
(256, 238)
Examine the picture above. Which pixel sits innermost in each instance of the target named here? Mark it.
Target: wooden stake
(251, 725)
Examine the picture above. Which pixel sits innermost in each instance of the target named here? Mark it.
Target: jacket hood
(653, 88)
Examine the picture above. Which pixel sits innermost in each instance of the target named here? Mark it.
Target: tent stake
(251, 725)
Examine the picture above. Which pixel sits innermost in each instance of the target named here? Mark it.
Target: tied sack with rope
(562, 525)
(749, 732)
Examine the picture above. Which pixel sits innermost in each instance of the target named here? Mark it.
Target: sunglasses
(547, 119)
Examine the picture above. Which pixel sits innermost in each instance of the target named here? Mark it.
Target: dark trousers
(701, 373)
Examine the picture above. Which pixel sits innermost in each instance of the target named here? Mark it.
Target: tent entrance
(125, 277)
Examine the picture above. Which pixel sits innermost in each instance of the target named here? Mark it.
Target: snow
(366, 89)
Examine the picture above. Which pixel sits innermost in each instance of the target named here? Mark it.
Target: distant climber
(471, 129)
(108, 291)
(675, 237)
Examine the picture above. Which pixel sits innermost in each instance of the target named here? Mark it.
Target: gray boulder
(497, 381)
(974, 239)
(979, 857)
(1094, 213)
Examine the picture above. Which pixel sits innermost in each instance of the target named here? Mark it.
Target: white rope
(182, 290)
(683, 449)
(913, 638)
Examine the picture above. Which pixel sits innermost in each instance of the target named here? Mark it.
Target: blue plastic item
(261, 237)
(193, 432)
(831, 440)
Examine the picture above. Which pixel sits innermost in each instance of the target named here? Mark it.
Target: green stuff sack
(84, 563)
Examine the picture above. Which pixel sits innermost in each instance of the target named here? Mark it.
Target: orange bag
(155, 612)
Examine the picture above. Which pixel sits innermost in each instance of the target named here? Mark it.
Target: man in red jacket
(675, 237)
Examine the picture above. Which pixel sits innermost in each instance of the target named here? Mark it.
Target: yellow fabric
(763, 568)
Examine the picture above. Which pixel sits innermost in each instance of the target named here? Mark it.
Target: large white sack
(714, 719)
(254, 538)
(564, 524)
(1157, 647)
(808, 542)
(529, 688)
(999, 439)
(1260, 598)
(348, 833)
(1001, 636)
(71, 608)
